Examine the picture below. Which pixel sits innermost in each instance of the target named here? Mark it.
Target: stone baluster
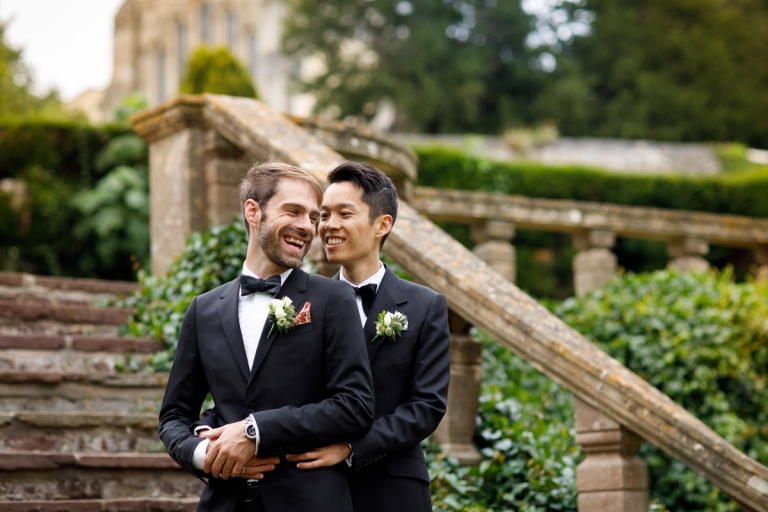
(455, 432)
(595, 263)
(612, 478)
(493, 239)
(687, 254)
(761, 255)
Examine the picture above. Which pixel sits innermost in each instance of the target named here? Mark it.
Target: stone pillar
(595, 263)
(455, 432)
(225, 168)
(611, 478)
(493, 239)
(177, 191)
(761, 255)
(686, 254)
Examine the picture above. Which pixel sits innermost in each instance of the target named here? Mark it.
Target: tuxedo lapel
(389, 296)
(293, 288)
(230, 323)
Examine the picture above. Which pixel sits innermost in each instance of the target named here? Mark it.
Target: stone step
(83, 354)
(116, 505)
(73, 288)
(37, 308)
(63, 391)
(78, 431)
(92, 476)
(10, 326)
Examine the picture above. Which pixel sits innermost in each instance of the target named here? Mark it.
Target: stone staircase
(75, 433)
(200, 146)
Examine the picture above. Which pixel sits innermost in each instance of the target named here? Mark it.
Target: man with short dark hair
(410, 363)
(282, 355)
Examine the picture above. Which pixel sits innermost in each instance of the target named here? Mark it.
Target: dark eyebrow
(340, 205)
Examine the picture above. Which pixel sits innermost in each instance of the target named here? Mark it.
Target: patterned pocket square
(303, 317)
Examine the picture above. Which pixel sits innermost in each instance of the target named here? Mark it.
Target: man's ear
(252, 213)
(385, 225)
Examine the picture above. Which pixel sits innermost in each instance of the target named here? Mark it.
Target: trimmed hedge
(544, 259)
(741, 193)
(69, 148)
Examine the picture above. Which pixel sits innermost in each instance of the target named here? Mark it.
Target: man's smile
(296, 244)
(333, 240)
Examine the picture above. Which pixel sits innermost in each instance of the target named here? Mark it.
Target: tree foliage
(16, 98)
(217, 71)
(451, 65)
(680, 70)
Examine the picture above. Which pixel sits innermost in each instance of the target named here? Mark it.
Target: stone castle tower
(153, 40)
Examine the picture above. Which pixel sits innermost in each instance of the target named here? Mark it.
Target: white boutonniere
(282, 314)
(390, 325)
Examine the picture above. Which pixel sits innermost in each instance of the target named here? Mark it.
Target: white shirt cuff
(198, 457)
(200, 428)
(351, 455)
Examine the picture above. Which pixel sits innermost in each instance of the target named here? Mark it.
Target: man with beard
(410, 364)
(287, 373)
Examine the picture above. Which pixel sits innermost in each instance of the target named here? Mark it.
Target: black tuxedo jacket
(309, 387)
(410, 375)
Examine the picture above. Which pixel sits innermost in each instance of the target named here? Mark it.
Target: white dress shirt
(374, 279)
(252, 312)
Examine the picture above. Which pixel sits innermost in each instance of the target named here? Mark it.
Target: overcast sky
(66, 43)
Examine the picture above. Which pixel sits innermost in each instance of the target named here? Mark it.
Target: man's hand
(256, 467)
(228, 450)
(327, 456)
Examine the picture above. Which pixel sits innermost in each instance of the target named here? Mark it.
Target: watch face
(250, 431)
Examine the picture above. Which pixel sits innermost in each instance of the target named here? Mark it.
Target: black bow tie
(366, 293)
(249, 285)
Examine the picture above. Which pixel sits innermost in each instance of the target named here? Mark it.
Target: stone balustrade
(633, 410)
(595, 226)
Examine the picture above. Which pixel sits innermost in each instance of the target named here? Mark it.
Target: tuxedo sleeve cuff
(258, 435)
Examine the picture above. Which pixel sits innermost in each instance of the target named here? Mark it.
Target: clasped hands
(231, 455)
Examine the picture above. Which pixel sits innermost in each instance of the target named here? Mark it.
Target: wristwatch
(250, 428)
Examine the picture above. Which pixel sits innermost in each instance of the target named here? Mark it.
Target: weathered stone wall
(153, 38)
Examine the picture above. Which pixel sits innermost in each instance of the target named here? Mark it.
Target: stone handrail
(569, 216)
(486, 299)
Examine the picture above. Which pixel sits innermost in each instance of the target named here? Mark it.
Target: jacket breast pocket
(298, 330)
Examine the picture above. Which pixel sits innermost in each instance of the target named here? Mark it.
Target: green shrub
(525, 431)
(702, 340)
(216, 70)
(115, 213)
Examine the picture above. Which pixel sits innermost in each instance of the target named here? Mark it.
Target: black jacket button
(251, 407)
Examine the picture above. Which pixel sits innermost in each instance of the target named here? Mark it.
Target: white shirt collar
(283, 276)
(374, 279)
